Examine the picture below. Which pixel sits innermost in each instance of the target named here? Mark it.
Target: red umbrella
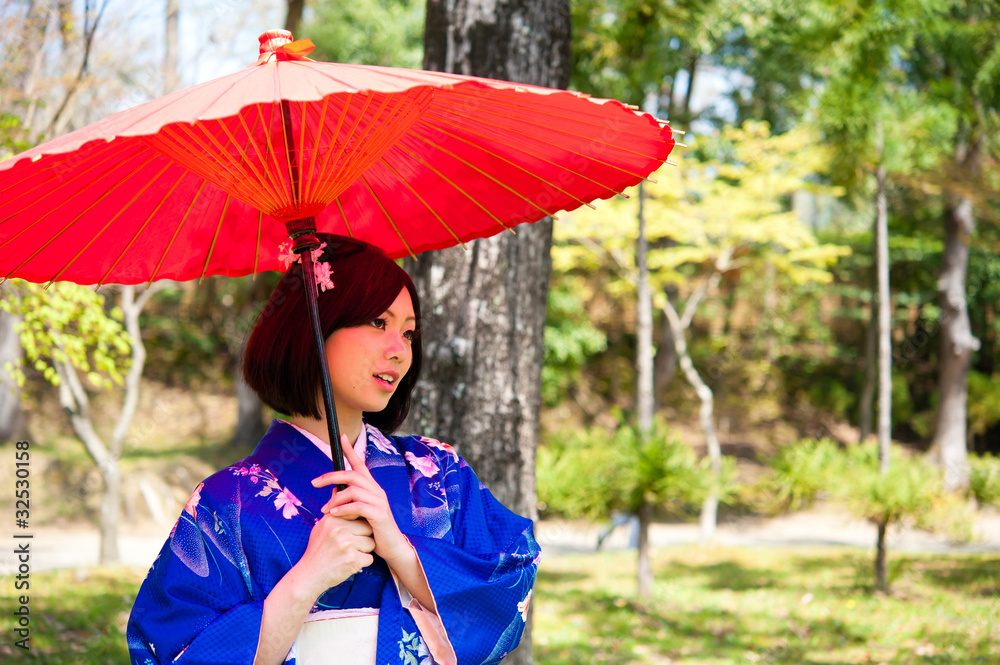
(211, 179)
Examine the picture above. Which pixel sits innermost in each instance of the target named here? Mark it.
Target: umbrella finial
(272, 39)
(279, 44)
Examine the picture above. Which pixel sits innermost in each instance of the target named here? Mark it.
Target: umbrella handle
(303, 245)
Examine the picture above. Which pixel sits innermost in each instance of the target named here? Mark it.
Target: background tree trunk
(644, 329)
(866, 407)
(881, 575)
(957, 342)
(484, 309)
(645, 566)
(884, 318)
(171, 71)
(250, 425)
(11, 416)
(293, 16)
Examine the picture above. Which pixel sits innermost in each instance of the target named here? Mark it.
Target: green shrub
(904, 494)
(592, 473)
(801, 473)
(984, 479)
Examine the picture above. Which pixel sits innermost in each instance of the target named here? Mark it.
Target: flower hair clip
(322, 271)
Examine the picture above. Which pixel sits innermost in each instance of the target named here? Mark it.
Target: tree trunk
(484, 309)
(644, 329)
(249, 409)
(294, 14)
(171, 74)
(679, 324)
(665, 361)
(644, 568)
(881, 578)
(11, 416)
(884, 318)
(957, 342)
(74, 400)
(866, 407)
(110, 510)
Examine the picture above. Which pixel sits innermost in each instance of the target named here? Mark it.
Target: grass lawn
(726, 605)
(710, 606)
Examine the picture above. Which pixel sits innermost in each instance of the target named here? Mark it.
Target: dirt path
(73, 547)
(817, 527)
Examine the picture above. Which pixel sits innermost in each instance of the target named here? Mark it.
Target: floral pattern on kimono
(246, 526)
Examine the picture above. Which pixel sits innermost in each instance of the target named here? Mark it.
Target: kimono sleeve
(195, 606)
(482, 581)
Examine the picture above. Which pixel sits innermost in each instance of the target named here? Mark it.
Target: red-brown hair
(280, 363)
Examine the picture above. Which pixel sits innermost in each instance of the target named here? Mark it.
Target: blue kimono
(247, 525)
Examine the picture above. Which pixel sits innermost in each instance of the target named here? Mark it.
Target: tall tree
(484, 309)
(956, 62)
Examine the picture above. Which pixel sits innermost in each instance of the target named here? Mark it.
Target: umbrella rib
(452, 183)
(265, 174)
(239, 76)
(71, 222)
(516, 147)
(256, 247)
(341, 163)
(515, 165)
(211, 248)
(485, 174)
(426, 205)
(539, 108)
(421, 78)
(553, 127)
(144, 224)
(231, 166)
(563, 148)
(312, 155)
(177, 230)
(276, 173)
(387, 216)
(347, 224)
(381, 138)
(142, 190)
(279, 105)
(246, 158)
(333, 140)
(121, 147)
(319, 70)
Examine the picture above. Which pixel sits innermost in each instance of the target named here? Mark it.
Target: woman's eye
(379, 323)
(410, 335)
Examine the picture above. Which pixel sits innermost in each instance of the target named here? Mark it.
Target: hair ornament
(322, 271)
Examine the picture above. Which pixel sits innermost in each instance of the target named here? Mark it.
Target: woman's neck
(350, 424)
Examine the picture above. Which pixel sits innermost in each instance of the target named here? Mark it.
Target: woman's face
(368, 361)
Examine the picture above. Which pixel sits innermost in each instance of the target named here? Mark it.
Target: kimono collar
(359, 445)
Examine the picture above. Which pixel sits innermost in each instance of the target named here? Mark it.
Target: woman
(413, 562)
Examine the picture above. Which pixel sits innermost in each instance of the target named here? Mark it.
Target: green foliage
(12, 139)
(903, 495)
(589, 473)
(802, 473)
(570, 339)
(368, 32)
(68, 322)
(983, 402)
(984, 479)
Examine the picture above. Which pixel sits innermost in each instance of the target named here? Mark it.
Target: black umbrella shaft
(332, 426)
(303, 235)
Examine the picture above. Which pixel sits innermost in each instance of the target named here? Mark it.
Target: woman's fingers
(357, 464)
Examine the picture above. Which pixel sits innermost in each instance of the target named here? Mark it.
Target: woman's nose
(395, 346)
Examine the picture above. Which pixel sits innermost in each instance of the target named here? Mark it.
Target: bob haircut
(280, 362)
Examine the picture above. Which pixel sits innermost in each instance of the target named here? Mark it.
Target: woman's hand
(365, 500)
(337, 549)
